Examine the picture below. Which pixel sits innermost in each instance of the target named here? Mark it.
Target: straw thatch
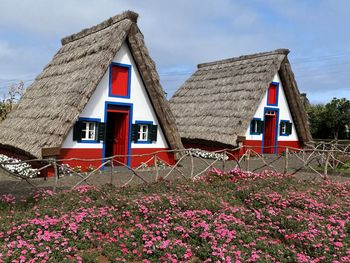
(52, 104)
(217, 103)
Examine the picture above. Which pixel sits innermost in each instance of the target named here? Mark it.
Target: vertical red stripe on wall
(272, 94)
(119, 82)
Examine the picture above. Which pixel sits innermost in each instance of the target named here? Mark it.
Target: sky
(183, 33)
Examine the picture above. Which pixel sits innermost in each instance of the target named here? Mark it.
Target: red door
(270, 131)
(119, 120)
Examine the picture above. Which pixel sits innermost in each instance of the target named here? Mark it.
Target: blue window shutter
(289, 128)
(101, 131)
(260, 126)
(135, 132)
(152, 133)
(77, 130)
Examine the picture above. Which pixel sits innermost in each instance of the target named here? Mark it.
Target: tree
(15, 92)
(317, 125)
(337, 116)
(329, 121)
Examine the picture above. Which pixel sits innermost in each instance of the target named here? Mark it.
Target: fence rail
(317, 158)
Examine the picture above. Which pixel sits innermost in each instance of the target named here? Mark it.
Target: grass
(223, 217)
(341, 169)
(345, 168)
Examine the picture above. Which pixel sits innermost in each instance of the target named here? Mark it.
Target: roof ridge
(283, 51)
(112, 20)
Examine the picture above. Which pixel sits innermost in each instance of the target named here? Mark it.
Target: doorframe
(277, 110)
(121, 104)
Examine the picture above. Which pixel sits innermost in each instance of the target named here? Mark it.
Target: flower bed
(16, 166)
(222, 217)
(209, 155)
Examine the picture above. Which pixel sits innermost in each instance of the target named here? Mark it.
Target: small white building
(251, 100)
(100, 96)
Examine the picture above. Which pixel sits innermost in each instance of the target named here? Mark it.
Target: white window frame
(255, 130)
(89, 132)
(143, 133)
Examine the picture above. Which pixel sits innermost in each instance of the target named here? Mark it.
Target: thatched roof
(219, 100)
(52, 104)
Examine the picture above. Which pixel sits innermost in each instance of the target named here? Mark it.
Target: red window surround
(272, 95)
(119, 81)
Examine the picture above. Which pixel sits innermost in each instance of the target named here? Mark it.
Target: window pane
(88, 133)
(143, 133)
(255, 126)
(91, 126)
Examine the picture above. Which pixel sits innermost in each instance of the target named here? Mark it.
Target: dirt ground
(122, 176)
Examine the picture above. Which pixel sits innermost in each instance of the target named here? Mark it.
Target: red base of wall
(281, 147)
(84, 154)
(148, 153)
(135, 161)
(253, 145)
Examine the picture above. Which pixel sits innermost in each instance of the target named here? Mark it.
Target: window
(270, 113)
(285, 128)
(119, 80)
(272, 94)
(144, 132)
(256, 126)
(88, 131)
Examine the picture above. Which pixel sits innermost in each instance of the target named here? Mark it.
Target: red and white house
(103, 98)
(119, 118)
(251, 101)
(272, 124)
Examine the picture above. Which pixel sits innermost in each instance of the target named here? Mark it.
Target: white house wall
(284, 114)
(142, 107)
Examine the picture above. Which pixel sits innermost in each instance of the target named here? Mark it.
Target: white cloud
(179, 34)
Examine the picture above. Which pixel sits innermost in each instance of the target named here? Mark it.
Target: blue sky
(181, 34)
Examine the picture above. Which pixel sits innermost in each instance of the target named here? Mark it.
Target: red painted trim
(118, 111)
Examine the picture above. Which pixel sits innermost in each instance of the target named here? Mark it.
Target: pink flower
(302, 258)
(165, 244)
(338, 244)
